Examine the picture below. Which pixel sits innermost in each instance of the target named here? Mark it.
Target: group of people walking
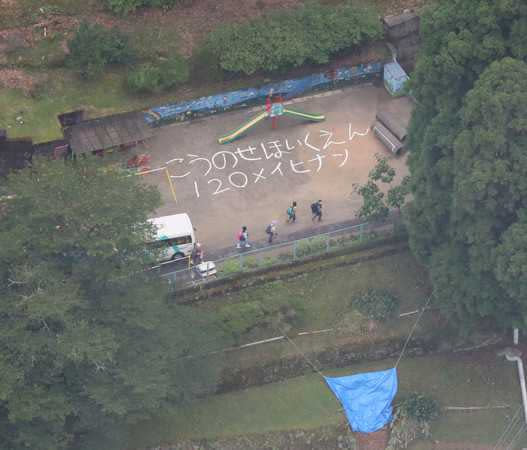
(242, 237)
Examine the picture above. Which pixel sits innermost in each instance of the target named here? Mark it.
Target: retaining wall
(246, 97)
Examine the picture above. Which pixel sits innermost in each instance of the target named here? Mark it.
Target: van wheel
(177, 256)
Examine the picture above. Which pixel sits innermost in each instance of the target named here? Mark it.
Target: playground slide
(240, 130)
(303, 115)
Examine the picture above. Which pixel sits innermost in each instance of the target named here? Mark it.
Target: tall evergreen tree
(88, 341)
(468, 141)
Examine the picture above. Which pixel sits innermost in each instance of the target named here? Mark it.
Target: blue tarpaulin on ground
(243, 97)
(366, 398)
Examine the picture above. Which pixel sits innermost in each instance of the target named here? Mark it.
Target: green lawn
(305, 402)
(62, 93)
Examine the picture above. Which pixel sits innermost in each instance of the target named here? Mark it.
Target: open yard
(253, 180)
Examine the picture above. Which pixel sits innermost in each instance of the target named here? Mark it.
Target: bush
(230, 266)
(240, 318)
(288, 39)
(376, 304)
(93, 47)
(150, 78)
(310, 246)
(412, 420)
(419, 407)
(128, 6)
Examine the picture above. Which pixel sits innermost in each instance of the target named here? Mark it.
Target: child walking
(291, 213)
(243, 238)
(271, 231)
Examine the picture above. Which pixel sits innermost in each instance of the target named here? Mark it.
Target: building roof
(107, 132)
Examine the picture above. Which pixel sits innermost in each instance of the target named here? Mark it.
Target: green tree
(467, 141)
(375, 204)
(93, 47)
(89, 343)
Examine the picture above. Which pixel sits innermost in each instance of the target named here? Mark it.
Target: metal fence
(251, 259)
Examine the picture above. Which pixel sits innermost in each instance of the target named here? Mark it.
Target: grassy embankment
(305, 402)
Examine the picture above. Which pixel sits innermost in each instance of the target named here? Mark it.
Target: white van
(174, 235)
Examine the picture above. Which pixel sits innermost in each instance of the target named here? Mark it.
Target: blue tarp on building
(244, 97)
(366, 398)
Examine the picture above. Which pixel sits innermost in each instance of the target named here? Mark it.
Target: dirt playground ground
(253, 180)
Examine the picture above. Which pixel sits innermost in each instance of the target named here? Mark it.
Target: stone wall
(325, 438)
(233, 379)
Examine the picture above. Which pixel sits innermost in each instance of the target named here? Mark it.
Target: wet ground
(253, 180)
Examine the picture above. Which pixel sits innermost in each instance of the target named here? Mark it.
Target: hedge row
(279, 41)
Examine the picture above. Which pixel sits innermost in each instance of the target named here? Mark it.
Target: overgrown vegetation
(309, 34)
(412, 420)
(376, 304)
(279, 313)
(468, 141)
(94, 47)
(128, 6)
(151, 78)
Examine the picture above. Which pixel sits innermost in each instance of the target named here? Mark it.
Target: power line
(511, 425)
(412, 331)
(516, 437)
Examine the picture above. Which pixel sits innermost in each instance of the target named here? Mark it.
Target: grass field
(325, 300)
(305, 402)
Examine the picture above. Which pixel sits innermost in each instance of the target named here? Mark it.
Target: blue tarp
(366, 398)
(243, 97)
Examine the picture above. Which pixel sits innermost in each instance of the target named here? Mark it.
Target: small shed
(117, 131)
(395, 78)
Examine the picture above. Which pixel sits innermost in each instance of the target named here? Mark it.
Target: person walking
(197, 254)
(316, 210)
(271, 231)
(243, 238)
(291, 213)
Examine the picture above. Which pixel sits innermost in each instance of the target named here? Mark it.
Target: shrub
(287, 39)
(93, 47)
(128, 6)
(124, 6)
(230, 266)
(150, 78)
(420, 407)
(240, 318)
(310, 246)
(376, 304)
(412, 420)
(145, 78)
